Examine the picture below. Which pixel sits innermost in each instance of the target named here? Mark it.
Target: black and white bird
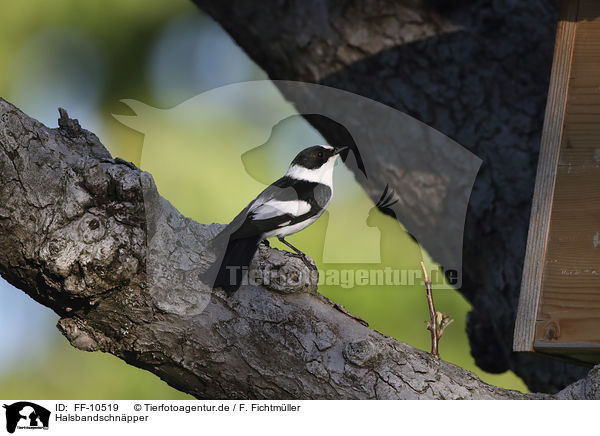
(287, 206)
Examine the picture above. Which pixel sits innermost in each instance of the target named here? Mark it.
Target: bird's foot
(297, 253)
(310, 265)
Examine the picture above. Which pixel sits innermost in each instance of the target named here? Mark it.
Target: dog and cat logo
(26, 415)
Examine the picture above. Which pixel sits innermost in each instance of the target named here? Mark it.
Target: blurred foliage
(193, 167)
(124, 30)
(67, 373)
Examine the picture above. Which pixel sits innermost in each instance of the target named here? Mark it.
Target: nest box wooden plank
(559, 307)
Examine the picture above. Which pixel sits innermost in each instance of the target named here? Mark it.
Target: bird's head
(317, 156)
(315, 163)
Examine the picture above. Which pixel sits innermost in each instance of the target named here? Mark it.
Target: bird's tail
(234, 263)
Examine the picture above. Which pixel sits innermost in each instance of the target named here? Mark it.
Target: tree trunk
(476, 71)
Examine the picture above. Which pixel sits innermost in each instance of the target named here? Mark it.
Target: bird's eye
(320, 154)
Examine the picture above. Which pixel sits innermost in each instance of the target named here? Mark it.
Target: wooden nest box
(559, 307)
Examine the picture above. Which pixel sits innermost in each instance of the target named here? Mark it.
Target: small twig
(438, 321)
(444, 321)
(432, 325)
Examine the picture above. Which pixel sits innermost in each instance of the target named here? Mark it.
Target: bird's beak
(338, 150)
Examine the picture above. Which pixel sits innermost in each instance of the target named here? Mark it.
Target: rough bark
(475, 70)
(89, 237)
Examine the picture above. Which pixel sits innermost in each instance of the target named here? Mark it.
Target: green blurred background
(87, 57)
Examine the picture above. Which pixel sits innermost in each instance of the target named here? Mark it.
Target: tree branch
(89, 237)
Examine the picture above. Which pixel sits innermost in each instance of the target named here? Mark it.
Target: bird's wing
(278, 205)
(275, 207)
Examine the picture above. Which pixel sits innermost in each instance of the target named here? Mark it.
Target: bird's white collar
(323, 174)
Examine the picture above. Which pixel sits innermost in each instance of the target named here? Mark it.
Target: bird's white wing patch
(273, 208)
